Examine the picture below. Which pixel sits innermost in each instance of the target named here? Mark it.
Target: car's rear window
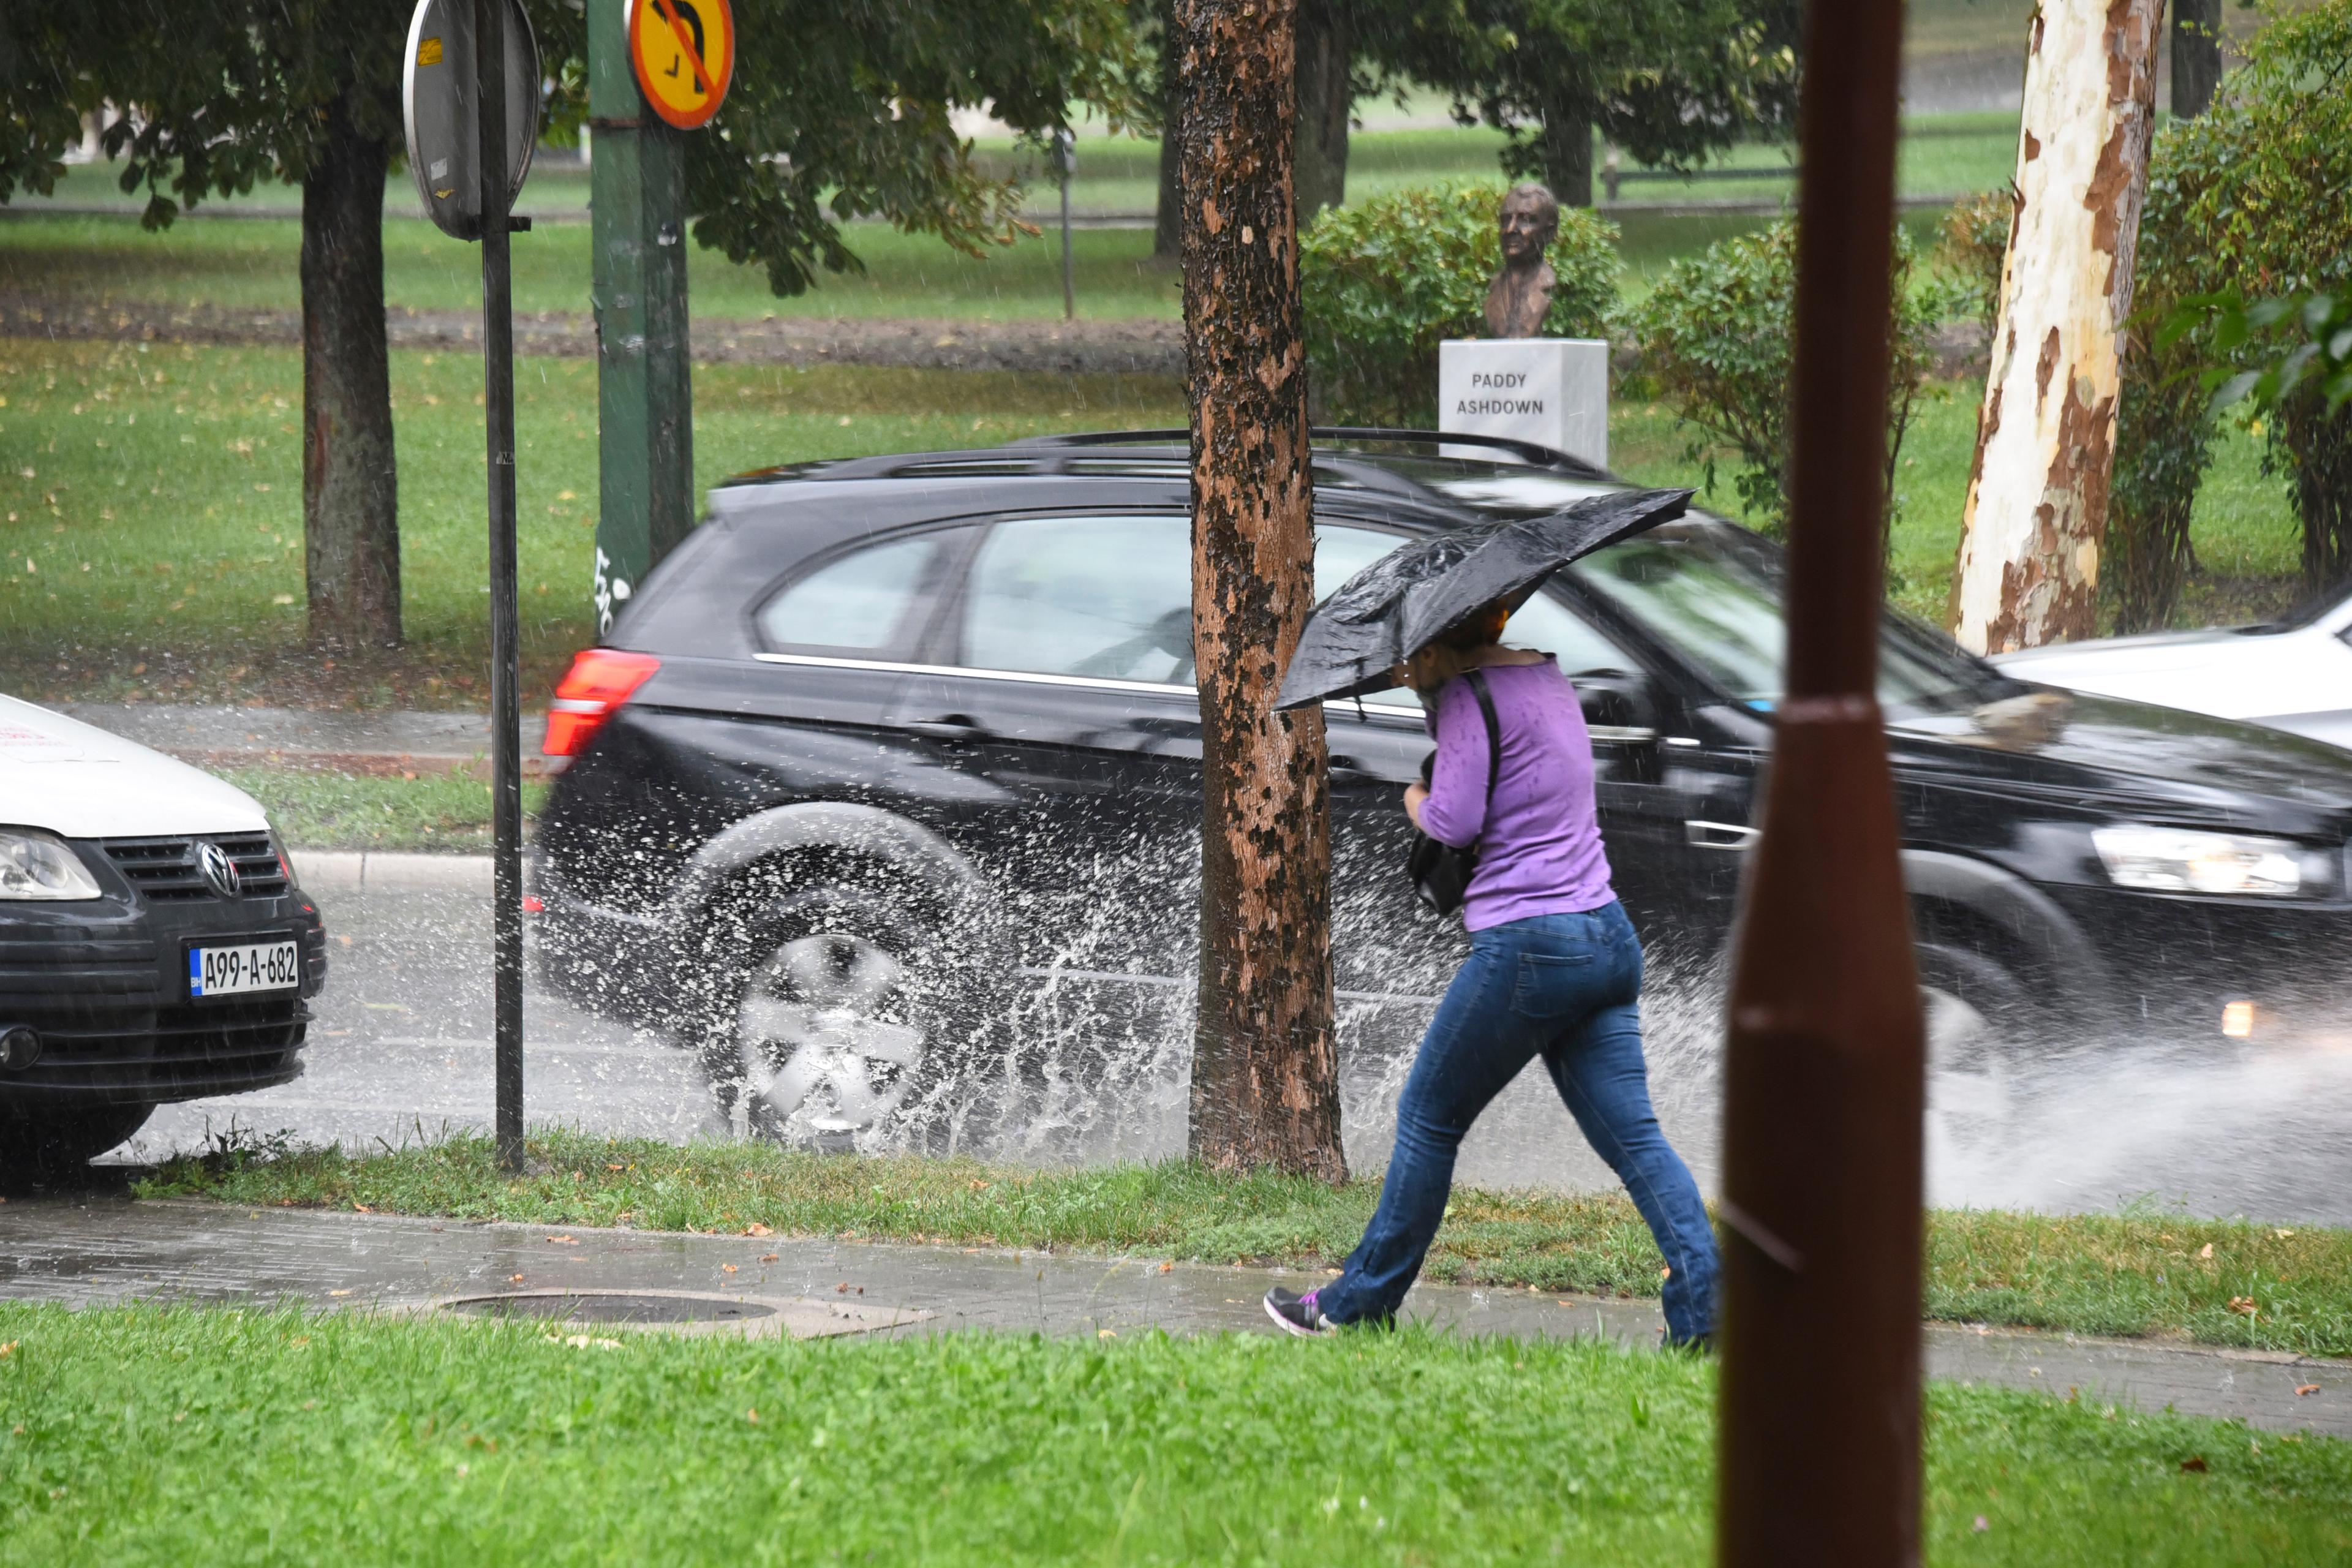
(864, 600)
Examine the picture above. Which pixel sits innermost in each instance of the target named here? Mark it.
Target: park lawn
(151, 504)
(2129, 1274)
(151, 520)
(320, 809)
(154, 1435)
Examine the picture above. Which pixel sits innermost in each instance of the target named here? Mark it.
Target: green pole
(644, 388)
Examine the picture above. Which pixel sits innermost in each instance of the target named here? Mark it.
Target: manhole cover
(611, 1307)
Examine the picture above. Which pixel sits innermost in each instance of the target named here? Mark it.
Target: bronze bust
(1520, 296)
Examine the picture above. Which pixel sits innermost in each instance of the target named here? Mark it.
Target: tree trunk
(2037, 508)
(1264, 1068)
(2195, 56)
(1324, 62)
(1566, 150)
(351, 516)
(1168, 213)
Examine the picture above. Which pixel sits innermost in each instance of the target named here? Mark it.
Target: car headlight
(39, 865)
(2184, 860)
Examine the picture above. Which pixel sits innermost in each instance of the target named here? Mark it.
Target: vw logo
(218, 870)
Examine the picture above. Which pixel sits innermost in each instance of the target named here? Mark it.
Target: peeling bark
(1264, 1066)
(351, 517)
(2037, 508)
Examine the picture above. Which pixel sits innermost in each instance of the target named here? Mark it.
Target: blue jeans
(1564, 987)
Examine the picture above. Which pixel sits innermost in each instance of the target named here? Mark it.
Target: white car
(154, 946)
(2294, 673)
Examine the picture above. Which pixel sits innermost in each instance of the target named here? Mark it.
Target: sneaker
(1298, 1314)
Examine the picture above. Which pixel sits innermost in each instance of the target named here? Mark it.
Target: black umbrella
(1402, 602)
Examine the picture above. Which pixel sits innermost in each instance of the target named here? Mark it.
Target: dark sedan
(888, 740)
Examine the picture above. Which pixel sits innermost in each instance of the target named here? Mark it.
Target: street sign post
(655, 69)
(1819, 1400)
(470, 91)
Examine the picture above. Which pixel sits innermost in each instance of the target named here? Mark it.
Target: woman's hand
(1415, 794)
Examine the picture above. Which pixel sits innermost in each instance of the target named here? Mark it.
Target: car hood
(81, 782)
(2108, 756)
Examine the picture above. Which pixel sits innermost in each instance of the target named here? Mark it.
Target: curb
(356, 870)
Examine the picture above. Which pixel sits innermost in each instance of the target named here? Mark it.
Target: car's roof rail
(1526, 451)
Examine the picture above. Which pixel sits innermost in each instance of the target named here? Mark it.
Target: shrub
(1386, 281)
(2248, 198)
(1971, 249)
(1715, 334)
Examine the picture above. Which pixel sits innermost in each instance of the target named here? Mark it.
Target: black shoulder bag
(1440, 872)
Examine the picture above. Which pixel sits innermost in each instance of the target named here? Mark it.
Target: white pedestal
(1551, 391)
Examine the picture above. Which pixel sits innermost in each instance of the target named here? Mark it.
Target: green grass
(173, 1435)
(324, 810)
(151, 504)
(2131, 1274)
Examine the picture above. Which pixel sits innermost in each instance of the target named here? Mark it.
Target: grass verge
(2216, 1282)
(322, 810)
(159, 1435)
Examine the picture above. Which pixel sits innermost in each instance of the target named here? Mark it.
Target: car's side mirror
(1618, 705)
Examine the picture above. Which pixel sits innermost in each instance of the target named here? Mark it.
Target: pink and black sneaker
(1299, 1314)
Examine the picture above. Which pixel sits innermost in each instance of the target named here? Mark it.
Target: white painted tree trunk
(2037, 506)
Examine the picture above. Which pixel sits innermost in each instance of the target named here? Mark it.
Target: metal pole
(644, 387)
(1820, 1394)
(505, 706)
(1065, 159)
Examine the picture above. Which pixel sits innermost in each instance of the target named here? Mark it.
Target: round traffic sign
(684, 51)
(439, 94)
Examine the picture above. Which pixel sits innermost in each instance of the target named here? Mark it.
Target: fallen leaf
(842, 1288)
(339, 1292)
(2303, 1388)
(612, 1167)
(1106, 1333)
(756, 1228)
(753, 1416)
(565, 1240)
(514, 1279)
(362, 1208)
(8, 1350)
(2243, 1305)
(1981, 1525)
(770, 1256)
(1167, 1268)
(727, 1269)
(2206, 1251)
(2195, 1464)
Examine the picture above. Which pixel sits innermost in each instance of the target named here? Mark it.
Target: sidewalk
(389, 743)
(100, 1249)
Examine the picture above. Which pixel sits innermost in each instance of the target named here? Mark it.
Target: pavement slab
(102, 1248)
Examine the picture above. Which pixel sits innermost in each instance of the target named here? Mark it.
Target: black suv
(891, 746)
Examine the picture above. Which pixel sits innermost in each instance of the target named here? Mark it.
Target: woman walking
(1554, 971)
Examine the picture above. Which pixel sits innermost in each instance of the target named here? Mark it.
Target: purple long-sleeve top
(1539, 842)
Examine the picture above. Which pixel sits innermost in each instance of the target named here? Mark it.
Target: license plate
(247, 966)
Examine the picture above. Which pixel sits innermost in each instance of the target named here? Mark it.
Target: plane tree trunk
(1325, 59)
(1168, 213)
(351, 517)
(2028, 571)
(1264, 1066)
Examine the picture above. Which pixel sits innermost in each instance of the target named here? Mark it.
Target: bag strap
(1477, 678)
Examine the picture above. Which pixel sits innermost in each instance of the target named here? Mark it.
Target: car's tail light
(599, 680)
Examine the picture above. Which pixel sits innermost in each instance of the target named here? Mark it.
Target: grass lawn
(169, 1435)
(2131, 1274)
(322, 810)
(151, 504)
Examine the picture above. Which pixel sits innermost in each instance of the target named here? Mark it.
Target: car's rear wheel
(45, 1147)
(849, 1024)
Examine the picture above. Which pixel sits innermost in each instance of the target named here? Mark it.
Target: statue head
(1528, 223)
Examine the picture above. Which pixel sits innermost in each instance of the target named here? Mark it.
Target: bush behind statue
(1387, 280)
(1716, 336)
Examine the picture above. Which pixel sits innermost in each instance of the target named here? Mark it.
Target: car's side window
(1543, 623)
(1109, 597)
(864, 602)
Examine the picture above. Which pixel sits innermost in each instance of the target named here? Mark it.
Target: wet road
(402, 1050)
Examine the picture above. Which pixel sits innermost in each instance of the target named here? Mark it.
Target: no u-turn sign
(684, 51)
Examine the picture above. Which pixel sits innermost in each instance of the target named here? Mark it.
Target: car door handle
(949, 727)
(1718, 835)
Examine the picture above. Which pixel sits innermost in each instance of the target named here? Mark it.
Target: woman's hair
(1456, 649)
